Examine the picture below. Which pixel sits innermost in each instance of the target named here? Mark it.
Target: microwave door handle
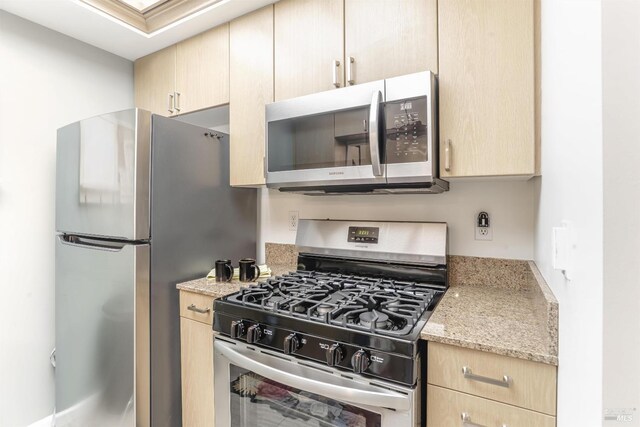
(374, 133)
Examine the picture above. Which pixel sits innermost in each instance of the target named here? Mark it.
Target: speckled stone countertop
(500, 306)
(495, 305)
(280, 258)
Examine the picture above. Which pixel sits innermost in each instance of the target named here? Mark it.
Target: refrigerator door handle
(85, 242)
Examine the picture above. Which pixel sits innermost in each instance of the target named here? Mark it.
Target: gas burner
(379, 320)
(273, 301)
(324, 308)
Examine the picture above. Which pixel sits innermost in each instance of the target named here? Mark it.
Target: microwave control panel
(406, 123)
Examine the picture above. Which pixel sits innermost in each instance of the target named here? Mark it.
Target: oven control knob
(291, 344)
(237, 329)
(254, 334)
(335, 354)
(360, 361)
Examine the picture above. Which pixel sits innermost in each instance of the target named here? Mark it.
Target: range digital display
(363, 234)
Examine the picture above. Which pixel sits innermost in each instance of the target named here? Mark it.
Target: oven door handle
(384, 398)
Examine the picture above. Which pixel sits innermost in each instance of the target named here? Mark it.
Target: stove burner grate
(383, 306)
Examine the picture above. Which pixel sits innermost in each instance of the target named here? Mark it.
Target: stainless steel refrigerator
(142, 202)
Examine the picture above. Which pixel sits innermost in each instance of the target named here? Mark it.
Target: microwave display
(406, 131)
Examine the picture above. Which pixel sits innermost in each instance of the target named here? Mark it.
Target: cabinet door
(486, 87)
(407, 42)
(155, 81)
(251, 65)
(196, 353)
(308, 39)
(202, 70)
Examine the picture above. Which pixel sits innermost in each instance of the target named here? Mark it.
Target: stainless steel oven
(379, 136)
(255, 387)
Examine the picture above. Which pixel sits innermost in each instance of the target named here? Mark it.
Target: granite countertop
(499, 306)
(495, 305)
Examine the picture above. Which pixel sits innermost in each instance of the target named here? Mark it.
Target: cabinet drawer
(530, 385)
(448, 408)
(196, 307)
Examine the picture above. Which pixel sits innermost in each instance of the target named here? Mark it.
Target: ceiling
(83, 22)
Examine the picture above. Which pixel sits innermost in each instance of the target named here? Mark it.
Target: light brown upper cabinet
(202, 70)
(326, 44)
(389, 38)
(188, 76)
(309, 47)
(486, 87)
(251, 87)
(155, 81)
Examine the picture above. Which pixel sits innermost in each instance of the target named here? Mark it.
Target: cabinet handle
(466, 421)
(193, 307)
(447, 155)
(177, 101)
(350, 61)
(335, 65)
(504, 382)
(170, 103)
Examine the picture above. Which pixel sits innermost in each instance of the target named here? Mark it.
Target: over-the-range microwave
(377, 137)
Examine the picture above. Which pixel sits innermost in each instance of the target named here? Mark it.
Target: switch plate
(563, 245)
(292, 220)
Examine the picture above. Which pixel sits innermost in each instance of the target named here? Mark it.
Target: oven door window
(257, 401)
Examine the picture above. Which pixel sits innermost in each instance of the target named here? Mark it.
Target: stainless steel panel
(323, 102)
(398, 406)
(196, 218)
(325, 176)
(424, 242)
(410, 86)
(95, 331)
(102, 176)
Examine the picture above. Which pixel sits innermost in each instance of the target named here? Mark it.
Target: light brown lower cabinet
(196, 351)
(449, 408)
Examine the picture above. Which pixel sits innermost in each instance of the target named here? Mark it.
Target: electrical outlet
(483, 227)
(293, 220)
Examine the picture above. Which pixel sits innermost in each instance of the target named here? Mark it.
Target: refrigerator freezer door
(102, 338)
(102, 176)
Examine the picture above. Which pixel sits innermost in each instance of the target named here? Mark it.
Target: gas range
(358, 301)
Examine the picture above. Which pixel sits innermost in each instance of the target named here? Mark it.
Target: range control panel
(406, 123)
(363, 234)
